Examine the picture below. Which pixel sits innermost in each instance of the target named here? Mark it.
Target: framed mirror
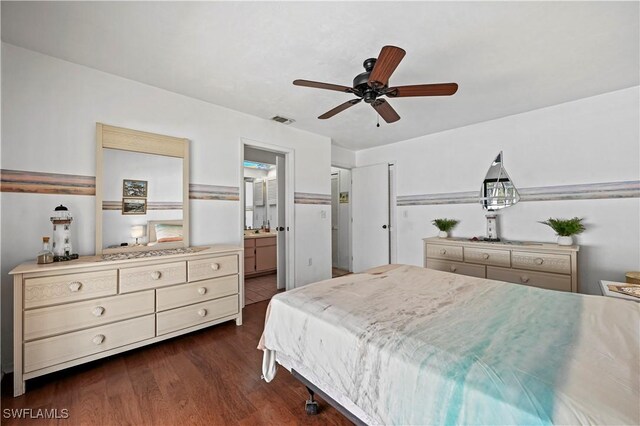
(497, 190)
(142, 190)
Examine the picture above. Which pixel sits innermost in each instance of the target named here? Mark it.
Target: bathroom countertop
(261, 235)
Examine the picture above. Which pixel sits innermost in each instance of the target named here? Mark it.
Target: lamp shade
(137, 231)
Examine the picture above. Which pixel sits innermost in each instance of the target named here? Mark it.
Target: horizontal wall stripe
(46, 183)
(311, 198)
(587, 191)
(151, 205)
(213, 192)
(56, 183)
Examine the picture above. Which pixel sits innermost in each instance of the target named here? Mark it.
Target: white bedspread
(419, 346)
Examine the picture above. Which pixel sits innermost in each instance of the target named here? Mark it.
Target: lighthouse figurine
(61, 220)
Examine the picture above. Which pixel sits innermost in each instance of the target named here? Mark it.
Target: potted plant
(565, 229)
(445, 225)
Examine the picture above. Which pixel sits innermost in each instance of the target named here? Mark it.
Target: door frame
(289, 158)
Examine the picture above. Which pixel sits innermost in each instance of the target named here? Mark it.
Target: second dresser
(541, 265)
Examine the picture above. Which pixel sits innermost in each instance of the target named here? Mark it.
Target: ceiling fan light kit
(373, 83)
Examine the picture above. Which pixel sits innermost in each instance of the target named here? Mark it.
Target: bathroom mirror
(142, 191)
(497, 190)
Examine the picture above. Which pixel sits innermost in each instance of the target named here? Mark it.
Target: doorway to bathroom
(266, 229)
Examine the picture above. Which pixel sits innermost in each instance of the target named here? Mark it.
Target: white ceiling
(507, 57)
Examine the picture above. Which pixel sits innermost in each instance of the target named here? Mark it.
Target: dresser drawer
(44, 291)
(249, 243)
(441, 251)
(146, 277)
(200, 313)
(457, 268)
(559, 263)
(213, 267)
(55, 350)
(60, 319)
(186, 294)
(535, 279)
(487, 256)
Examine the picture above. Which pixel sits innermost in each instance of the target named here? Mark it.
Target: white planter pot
(565, 241)
(443, 234)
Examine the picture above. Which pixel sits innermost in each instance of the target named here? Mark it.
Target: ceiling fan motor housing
(361, 82)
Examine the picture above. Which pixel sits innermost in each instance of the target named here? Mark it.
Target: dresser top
(89, 261)
(512, 245)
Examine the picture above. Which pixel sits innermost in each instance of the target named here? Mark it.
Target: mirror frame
(112, 137)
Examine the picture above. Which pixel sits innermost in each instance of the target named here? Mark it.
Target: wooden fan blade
(339, 108)
(385, 110)
(442, 89)
(319, 85)
(386, 64)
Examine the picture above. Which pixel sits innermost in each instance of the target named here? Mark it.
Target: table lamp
(137, 231)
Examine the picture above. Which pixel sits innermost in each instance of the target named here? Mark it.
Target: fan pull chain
(378, 117)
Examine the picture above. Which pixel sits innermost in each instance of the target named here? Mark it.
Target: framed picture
(134, 206)
(134, 188)
(344, 197)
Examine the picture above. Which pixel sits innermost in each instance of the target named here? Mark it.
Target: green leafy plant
(445, 225)
(565, 227)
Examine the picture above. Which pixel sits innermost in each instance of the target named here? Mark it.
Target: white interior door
(370, 212)
(334, 220)
(282, 225)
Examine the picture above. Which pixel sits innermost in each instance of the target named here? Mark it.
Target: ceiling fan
(372, 84)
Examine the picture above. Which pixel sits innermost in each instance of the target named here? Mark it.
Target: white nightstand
(606, 292)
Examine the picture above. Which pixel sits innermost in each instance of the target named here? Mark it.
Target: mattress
(408, 345)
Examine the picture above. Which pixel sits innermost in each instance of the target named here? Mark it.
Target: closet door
(371, 224)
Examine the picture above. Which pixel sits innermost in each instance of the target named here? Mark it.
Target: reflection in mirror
(142, 199)
(497, 190)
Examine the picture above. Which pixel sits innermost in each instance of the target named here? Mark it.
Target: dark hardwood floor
(210, 377)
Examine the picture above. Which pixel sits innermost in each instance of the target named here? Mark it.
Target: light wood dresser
(541, 265)
(70, 313)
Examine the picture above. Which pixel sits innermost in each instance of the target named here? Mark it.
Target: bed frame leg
(311, 406)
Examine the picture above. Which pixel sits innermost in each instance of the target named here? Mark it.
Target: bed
(408, 345)
(152, 235)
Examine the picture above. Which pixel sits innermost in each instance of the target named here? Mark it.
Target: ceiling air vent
(282, 120)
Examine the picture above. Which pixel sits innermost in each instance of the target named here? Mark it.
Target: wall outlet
(405, 214)
(323, 214)
(310, 261)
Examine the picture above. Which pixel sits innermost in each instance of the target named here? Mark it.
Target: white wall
(342, 157)
(49, 111)
(587, 141)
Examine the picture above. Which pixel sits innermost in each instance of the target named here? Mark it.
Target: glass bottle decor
(45, 255)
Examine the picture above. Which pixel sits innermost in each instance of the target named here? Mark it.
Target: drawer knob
(202, 312)
(215, 266)
(155, 275)
(453, 268)
(75, 286)
(443, 251)
(98, 339)
(538, 261)
(485, 255)
(97, 311)
(524, 279)
(202, 290)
